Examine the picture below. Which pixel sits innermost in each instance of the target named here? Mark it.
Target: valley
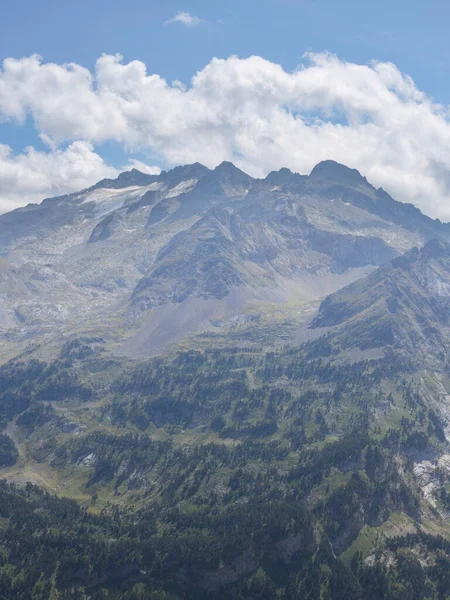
(214, 386)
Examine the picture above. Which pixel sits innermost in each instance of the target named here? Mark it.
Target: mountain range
(154, 259)
(216, 386)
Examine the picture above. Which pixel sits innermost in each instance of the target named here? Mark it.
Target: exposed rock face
(103, 230)
(406, 303)
(226, 180)
(124, 248)
(329, 171)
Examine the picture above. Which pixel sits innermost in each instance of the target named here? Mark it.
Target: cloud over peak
(34, 175)
(185, 19)
(249, 111)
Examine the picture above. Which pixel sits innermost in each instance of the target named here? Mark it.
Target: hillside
(403, 305)
(222, 387)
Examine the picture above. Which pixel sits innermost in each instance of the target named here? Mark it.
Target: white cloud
(250, 111)
(142, 167)
(184, 18)
(34, 175)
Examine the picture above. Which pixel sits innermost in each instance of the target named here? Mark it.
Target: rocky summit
(149, 260)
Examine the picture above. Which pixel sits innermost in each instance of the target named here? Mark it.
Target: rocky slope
(404, 305)
(155, 258)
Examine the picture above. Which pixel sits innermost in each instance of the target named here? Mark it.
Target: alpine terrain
(215, 386)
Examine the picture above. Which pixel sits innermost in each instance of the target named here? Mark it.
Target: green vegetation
(8, 451)
(222, 473)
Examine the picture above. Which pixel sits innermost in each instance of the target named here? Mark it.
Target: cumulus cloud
(34, 175)
(184, 18)
(250, 111)
(142, 167)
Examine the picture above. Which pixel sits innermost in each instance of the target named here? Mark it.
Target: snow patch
(88, 461)
(108, 200)
(182, 188)
(154, 187)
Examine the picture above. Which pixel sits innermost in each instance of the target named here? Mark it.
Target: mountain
(404, 305)
(215, 386)
(156, 258)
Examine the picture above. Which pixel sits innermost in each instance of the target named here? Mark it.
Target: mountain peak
(126, 179)
(285, 177)
(435, 248)
(329, 171)
(195, 171)
(227, 167)
(226, 179)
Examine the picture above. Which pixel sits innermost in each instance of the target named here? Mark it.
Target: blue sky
(413, 35)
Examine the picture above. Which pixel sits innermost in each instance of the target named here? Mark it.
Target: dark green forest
(221, 473)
